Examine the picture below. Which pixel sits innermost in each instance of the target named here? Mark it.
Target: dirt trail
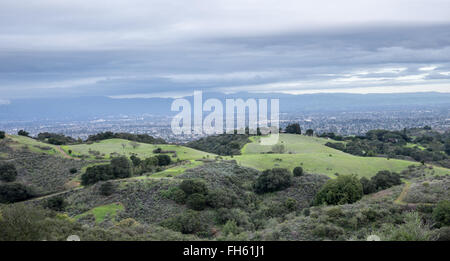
(403, 194)
(65, 155)
(52, 194)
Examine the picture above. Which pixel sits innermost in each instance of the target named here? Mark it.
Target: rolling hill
(312, 154)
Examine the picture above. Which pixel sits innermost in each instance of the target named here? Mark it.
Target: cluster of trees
(441, 213)
(435, 147)
(14, 192)
(119, 167)
(382, 180)
(55, 139)
(272, 180)
(11, 191)
(122, 167)
(293, 128)
(150, 164)
(331, 135)
(224, 144)
(143, 138)
(2, 135)
(8, 172)
(345, 189)
(23, 133)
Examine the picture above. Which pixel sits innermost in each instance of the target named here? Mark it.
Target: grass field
(124, 147)
(34, 145)
(311, 154)
(101, 212)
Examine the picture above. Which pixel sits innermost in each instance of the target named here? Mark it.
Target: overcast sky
(54, 48)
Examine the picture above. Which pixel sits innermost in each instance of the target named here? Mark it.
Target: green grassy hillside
(124, 147)
(312, 154)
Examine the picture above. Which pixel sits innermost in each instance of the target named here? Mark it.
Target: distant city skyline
(132, 49)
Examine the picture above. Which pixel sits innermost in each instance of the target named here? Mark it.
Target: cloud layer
(142, 48)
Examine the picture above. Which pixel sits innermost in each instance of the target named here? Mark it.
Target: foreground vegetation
(298, 189)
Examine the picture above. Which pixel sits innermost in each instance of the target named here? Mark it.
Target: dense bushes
(2, 135)
(441, 213)
(163, 160)
(96, 173)
(192, 186)
(144, 138)
(293, 128)
(298, 171)
(188, 222)
(8, 172)
(382, 180)
(196, 201)
(56, 203)
(14, 192)
(225, 144)
(342, 190)
(56, 139)
(118, 168)
(431, 146)
(273, 180)
(107, 188)
(21, 222)
(23, 133)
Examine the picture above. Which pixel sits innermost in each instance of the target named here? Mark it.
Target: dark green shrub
(293, 128)
(107, 188)
(23, 133)
(121, 167)
(221, 198)
(342, 190)
(149, 164)
(73, 170)
(443, 234)
(96, 173)
(368, 185)
(8, 172)
(306, 212)
(191, 186)
(56, 203)
(290, 204)
(298, 171)
(163, 160)
(273, 180)
(385, 179)
(135, 160)
(196, 201)
(231, 228)
(175, 194)
(14, 192)
(223, 215)
(20, 222)
(328, 231)
(382, 180)
(441, 213)
(2, 135)
(188, 222)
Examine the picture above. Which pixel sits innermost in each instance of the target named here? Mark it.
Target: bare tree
(135, 145)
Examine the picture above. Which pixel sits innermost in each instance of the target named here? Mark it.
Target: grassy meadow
(312, 154)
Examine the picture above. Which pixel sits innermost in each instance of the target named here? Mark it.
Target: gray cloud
(119, 48)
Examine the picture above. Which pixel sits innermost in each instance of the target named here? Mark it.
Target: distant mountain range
(88, 107)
